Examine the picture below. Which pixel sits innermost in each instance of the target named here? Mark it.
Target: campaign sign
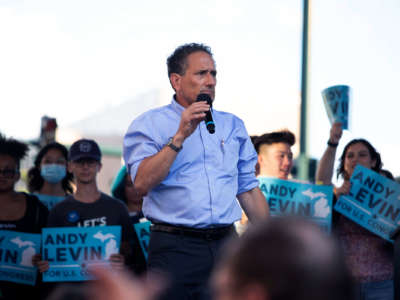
(71, 250)
(373, 202)
(336, 101)
(289, 198)
(16, 252)
(143, 233)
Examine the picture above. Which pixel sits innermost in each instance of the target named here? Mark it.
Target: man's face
(84, 170)
(9, 173)
(276, 160)
(199, 77)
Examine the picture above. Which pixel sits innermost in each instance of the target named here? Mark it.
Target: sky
(70, 59)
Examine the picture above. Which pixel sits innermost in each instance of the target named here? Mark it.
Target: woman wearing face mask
(369, 257)
(49, 179)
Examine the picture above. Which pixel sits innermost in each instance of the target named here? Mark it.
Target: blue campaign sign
(337, 104)
(71, 250)
(16, 252)
(310, 201)
(373, 202)
(143, 233)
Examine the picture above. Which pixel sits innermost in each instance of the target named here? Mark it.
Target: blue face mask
(53, 173)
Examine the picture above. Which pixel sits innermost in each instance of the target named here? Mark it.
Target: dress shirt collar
(176, 106)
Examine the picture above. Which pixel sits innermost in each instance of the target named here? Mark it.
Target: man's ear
(259, 159)
(99, 166)
(175, 80)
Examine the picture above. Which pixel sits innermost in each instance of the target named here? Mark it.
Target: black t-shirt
(105, 211)
(33, 221)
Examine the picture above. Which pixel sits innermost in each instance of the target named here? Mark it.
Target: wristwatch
(173, 147)
(333, 145)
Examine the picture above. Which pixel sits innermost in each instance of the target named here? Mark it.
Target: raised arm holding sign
(337, 103)
(369, 257)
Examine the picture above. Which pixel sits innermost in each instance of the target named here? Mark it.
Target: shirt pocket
(230, 151)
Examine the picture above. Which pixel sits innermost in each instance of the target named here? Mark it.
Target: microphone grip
(210, 122)
(210, 125)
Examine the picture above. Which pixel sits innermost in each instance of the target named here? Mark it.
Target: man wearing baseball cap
(88, 206)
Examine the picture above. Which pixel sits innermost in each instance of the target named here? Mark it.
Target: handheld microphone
(209, 120)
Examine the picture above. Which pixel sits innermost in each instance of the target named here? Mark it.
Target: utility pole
(303, 156)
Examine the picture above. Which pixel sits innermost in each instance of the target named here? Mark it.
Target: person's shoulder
(150, 114)
(227, 116)
(34, 201)
(64, 203)
(31, 197)
(111, 200)
(231, 123)
(144, 123)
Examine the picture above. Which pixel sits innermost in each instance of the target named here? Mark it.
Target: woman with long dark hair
(49, 178)
(369, 257)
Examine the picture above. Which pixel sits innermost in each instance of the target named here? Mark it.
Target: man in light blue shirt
(189, 178)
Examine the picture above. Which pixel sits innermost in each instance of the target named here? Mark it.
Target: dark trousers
(185, 262)
(379, 290)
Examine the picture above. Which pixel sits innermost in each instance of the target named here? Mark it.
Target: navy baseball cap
(84, 148)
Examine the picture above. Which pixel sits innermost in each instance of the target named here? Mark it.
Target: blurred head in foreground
(282, 259)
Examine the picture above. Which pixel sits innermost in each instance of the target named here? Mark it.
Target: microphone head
(211, 127)
(204, 97)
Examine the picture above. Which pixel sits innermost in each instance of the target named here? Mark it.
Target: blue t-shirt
(49, 200)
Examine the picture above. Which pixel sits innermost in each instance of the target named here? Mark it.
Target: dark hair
(253, 139)
(290, 259)
(118, 185)
(177, 61)
(387, 174)
(35, 180)
(282, 136)
(16, 149)
(372, 152)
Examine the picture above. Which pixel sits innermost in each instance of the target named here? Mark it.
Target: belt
(204, 233)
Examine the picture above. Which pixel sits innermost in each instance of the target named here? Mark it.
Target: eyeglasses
(8, 173)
